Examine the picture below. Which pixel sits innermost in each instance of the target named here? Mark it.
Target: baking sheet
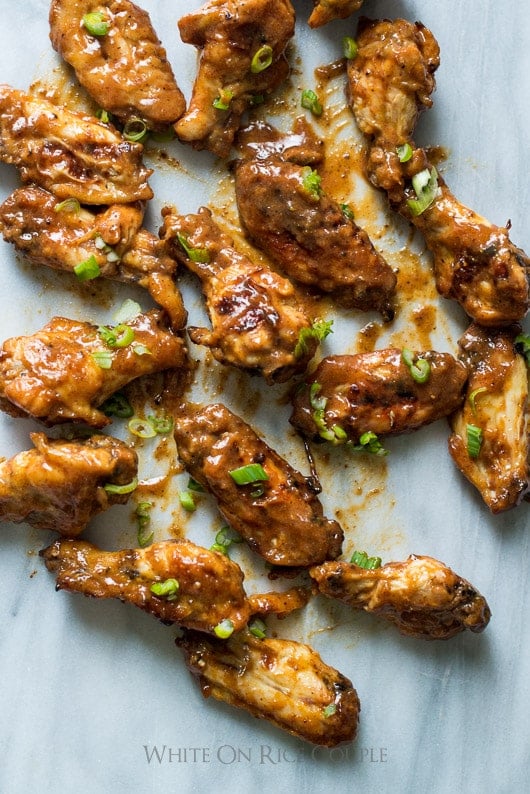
(94, 694)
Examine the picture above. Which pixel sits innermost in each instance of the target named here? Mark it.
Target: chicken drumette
(258, 323)
(326, 10)
(272, 506)
(242, 57)
(67, 370)
(390, 82)
(61, 485)
(421, 596)
(124, 67)
(70, 154)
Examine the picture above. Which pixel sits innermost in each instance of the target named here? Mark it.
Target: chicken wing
(60, 485)
(175, 580)
(421, 596)
(349, 396)
(278, 514)
(489, 443)
(125, 70)
(70, 154)
(61, 235)
(258, 323)
(283, 681)
(326, 10)
(67, 370)
(475, 262)
(242, 57)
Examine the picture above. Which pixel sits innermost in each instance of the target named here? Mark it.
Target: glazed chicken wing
(126, 70)
(208, 589)
(62, 235)
(489, 443)
(242, 56)
(60, 485)
(70, 154)
(421, 596)
(349, 396)
(278, 515)
(67, 370)
(258, 323)
(279, 680)
(475, 262)
(326, 10)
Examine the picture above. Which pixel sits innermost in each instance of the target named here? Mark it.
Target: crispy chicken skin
(326, 10)
(376, 392)
(53, 376)
(283, 681)
(497, 403)
(59, 485)
(283, 520)
(390, 82)
(70, 154)
(126, 71)
(255, 313)
(48, 233)
(210, 585)
(422, 597)
(229, 34)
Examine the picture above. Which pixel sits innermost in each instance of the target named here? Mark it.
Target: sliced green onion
(201, 255)
(245, 475)
(143, 518)
(257, 492)
(193, 485)
(187, 501)
(258, 628)
(329, 710)
(474, 440)
(117, 405)
(473, 396)
(68, 205)
(103, 358)
(87, 270)
(135, 130)
(261, 60)
(404, 152)
(425, 185)
(142, 350)
(224, 629)
(349, 47)
(319, 330)
(347, 211)
(141, 428)
(336, 434)
(122, 489)
(224, 539)
(362, 560)
(369, 442)
(119, 336)
(96, 23)
(419, 369)
(311, 102)
(161, 424)
(167, 589)
(104, 116)
(311, 182)
(339, 432)
(222, 102)
(522, 342)
(127, 311)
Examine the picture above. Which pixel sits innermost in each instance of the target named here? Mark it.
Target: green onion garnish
(311, 102)
(318, 330)
(349, 47)
(135, 130)
(142, 350)
(473, 396)
(162, 425)
(117, 405)
(141, 428)
(261, 60)
(522, 342)
(330, 710)
(143, 519)
(103, 358)
(193, 485)
(122, 489)
(167, 589)
(404, 152)
(425, 185)
(362, 560)
(258, 628)
(311, 182)
(474, 440)
(419, 369)
(369, 442)
(87, 270)
(96, 23)
(224, 539)
(201, 255)
(347, 211)
(222, 102)
(224, 629)
(68, 205)
(119, 336)
(104, 116)
(245, 475)
(336, 434)
(187, 501)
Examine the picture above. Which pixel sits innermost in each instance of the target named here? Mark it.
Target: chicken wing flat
(242, 57)
(283, 681)
(208, 588)
(475, 262)
(326, 10)
(421, 596)
(258, 323)
(66, 371)
(489, 443)
(349, 396)
(60, 485)
(62, 235)
(70, 154)
(126, 70)
(278, 514)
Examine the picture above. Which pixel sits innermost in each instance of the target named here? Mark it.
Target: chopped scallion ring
(142, 350)
(224, 629)
(135, 130)
(311, 182)
(68, 205)
(222, 102)
(474, 440)
(347, 211)
(425, 185)
(119, 336)
(420, 369)
(193, 485)
(369, 442)
(87, 270)
(261, 60)
(336, 434)
(319, 330)
(201, 255)
(404, 152)
(251, 473)
(96, 23)
(329, 710)
(187, 501)
(162, 424)
(141, 428)
(310, 101)
(349, 47)
(473, 396)
(122, 489)
(103, 358)
(117, 405)
(258, 628)
(362, 560)
(104, 116)
(167, 589)
(143, 518)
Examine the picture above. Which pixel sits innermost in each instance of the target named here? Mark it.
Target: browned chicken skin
(60, 485)
(376, 392)
(69, 154)
(255, 313)
(53, 375)
(421, 596)
(210, 586)
(326, 10)
(279, 680)
(232, 35)
(280, 518)
(126, 71)
(61, 237)
(497, 404)
(390, 82)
